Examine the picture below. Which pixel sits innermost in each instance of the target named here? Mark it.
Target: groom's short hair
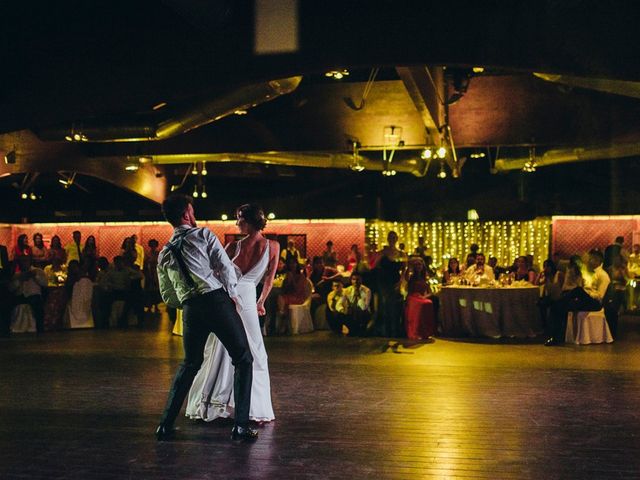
(174, 206)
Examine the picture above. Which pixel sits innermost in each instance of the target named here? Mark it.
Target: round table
(490, 312)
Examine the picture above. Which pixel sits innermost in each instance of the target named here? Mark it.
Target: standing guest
(634, 261)
(22, 249)
(118, 281)
(128, 252)
(337, 307)
(359, 299)
(452, 272)
(523, 272)
(615, 298)
(80, 293)
(470, 261)
(354, 258)
(73, 248)
(419, 314)
(480, 271)
(613, 252)
(422, 249)
(89, 258)
(321, 276)
(196, 274)
(473, 251)
(56, 250)
(102, 294)
(39, 252)
(290, 252)
(5, 294)
(389, 268)
(28, 284)
(587, 299)
(139, 252)
(151, 286)
(329, 256)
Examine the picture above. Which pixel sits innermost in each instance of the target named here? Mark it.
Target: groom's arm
(221, 263)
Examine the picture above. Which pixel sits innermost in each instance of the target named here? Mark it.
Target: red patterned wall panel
(571, 235)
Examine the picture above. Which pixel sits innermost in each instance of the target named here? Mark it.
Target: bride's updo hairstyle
(253, 215)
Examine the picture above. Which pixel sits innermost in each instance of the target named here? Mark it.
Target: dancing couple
(227, 371)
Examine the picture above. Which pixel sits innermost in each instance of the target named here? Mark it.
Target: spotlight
(271, 216)
(426, 154)
(195, 192)
(337, 74)
(32, 196)
(68, 138)
(174, 187)
(10, 157)
(224, 216)
(159, 106)
(356, 167)
(240, 112)
(478, 69)
(144, 160)
(24, 196)
(442, 173)
(194, 170)
(77, 137)
(204, 192)
(131, 168)
(442, 152)
(204, 168)
(477, 155)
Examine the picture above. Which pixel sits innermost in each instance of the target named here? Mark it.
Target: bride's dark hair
(253, 215)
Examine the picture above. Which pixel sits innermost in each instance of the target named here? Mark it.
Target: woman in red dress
(419, 313)
(295, 287)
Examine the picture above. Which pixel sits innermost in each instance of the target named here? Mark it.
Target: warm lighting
(204, 192)
(63, 182)
(174, 187)
(442, 173)
(131, 168)
(77, 137)
(194, 170)
(337, 74)
(271, 216)
(144, 160)
(240, 112)
(68, 138)
(442, 152)
(10, 157)
(472, 215)
(389, 173)
(159, 105)
(426, 154)
(224, 216)
(24, 196)
(204, 168)
(477, 155)
(478, 69)
(32, 196)
(195, 192)
(529, 167)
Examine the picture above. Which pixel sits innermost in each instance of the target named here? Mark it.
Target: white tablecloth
(490, 312)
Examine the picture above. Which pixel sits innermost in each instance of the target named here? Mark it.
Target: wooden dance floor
(84, 404)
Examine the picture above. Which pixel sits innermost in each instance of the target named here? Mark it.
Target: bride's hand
(261, 310)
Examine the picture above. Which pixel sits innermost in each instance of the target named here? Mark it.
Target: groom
(196, 274)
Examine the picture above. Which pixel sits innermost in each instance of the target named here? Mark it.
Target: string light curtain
(503, 240)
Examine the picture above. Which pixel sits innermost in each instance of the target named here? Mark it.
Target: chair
(22, 319)
(79, 313)
(585, 328)
(320, 318)
(300, 320)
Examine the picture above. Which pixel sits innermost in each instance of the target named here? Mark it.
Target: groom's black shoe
(165, 432)
(244, 434)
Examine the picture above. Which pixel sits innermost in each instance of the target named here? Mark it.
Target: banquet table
(490, 311)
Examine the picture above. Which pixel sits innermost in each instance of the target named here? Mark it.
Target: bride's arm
(274, 255)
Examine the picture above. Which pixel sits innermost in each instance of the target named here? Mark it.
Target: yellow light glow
(224, 216)
(442, 152)
(478, 69)
(271, 216)
(426, 154)
(131, 168)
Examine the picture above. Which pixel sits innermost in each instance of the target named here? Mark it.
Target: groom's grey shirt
(208, 264)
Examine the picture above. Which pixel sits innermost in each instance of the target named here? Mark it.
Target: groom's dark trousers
(212, 312)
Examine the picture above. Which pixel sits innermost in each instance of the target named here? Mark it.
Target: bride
(255, 259)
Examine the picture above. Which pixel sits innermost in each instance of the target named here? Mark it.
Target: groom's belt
(199, 296)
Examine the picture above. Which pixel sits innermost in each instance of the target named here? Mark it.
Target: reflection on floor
(83, 404)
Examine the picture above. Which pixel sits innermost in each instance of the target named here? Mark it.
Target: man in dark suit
(5, 296)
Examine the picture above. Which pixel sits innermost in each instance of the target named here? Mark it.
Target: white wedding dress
(211, 395)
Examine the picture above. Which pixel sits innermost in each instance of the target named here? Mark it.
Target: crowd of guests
(72, 286)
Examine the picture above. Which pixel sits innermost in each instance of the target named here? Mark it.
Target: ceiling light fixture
(159, 105)
(478, 155)
(132, 168)
(204, 168)
(426, 154)
(24, 196)
(271, 216)
(442, 174)
(442, 152)
(337, 74)
(224, 217)
(531, 165)
(33, 196)
(204, 192)
(195, 192)
(194, 170)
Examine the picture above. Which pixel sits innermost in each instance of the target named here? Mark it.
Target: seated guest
(497, 270)
(550, 288)
(338, 305)
(479, 271)
(28, 284)
(581, 299)
(523, 272)
(419, 313)
(39, 252)
(329, 256)
(118, 280)
(321, 276)
(470, 261)
(573, 275)
(80, 288)
(73, 248)
(452, 272)
(56, 272)
(359, 299)
(290, 252)
(56, 250)
(294, 287)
